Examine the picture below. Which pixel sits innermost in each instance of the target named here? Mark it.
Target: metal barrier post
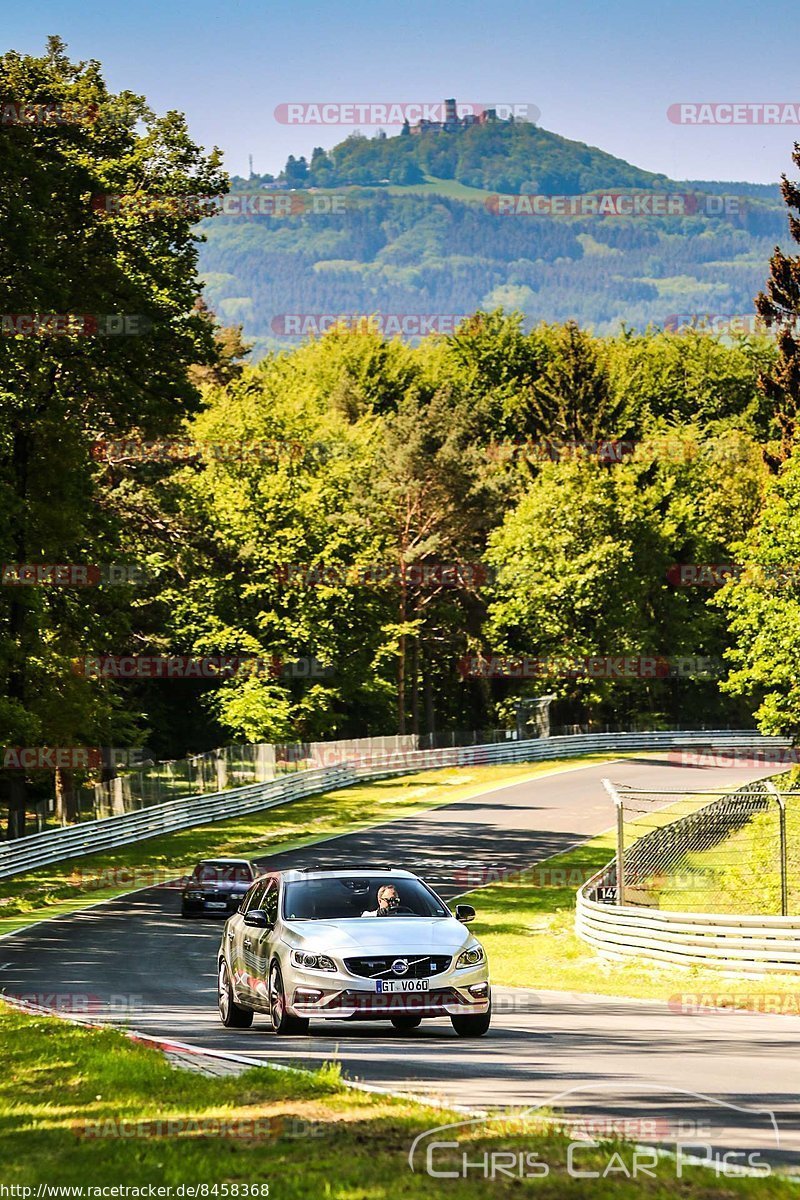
(783, 847)
(615, 796)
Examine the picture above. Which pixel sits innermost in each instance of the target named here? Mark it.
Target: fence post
(783, 847)
(615, 796)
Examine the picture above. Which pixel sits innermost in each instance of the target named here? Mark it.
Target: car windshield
(342, 897)
(222, 873)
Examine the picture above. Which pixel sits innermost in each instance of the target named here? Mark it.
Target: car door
(236, 933)
(257, 945)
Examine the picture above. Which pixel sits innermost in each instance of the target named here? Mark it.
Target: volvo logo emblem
(400, 966)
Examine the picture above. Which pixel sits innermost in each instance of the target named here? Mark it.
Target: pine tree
(779, 306)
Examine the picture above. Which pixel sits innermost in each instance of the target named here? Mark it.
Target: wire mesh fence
(237, 766)
(709, 852)
(217, 771)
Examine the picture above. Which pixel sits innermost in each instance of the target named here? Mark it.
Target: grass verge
(65, 887)
(78, 1108)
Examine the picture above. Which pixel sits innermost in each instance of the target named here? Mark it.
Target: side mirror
(464, 913)
(257, 919)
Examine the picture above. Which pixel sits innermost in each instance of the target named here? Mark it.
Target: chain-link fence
(236, 766)
(217, 771)
(710, 852)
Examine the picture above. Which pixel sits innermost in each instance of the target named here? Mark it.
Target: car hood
(379, 935)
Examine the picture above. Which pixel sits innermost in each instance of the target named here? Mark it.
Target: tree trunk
(427, 691)
(66, 797)
(17, 804)
(415, 687)
(401, 662)
(18, 787)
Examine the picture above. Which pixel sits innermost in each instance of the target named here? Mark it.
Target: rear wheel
(405, 1023)
(232, 1015)
(473, 1025)
(282, 1021)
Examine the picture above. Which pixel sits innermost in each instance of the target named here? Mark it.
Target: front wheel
(473, 1025)
(406, 1024)
(232, 1015)
(282, 1021)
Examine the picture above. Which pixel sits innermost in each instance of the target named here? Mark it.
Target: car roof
(294, 875)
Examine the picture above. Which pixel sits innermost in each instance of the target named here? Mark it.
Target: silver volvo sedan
(370, 943)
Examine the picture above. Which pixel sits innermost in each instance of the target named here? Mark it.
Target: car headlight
(312, 962)
(471, 958)
(194, 895)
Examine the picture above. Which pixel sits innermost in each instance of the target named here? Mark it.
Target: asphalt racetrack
(727, 1079)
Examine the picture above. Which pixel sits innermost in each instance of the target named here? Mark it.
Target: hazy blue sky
(603, 73)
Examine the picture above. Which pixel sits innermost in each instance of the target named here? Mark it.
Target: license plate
(401, 985)
(216, 904)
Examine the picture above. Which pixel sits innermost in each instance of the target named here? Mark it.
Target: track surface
(637, 1060)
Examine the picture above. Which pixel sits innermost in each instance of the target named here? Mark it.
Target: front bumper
(341, 997)
(212, 906)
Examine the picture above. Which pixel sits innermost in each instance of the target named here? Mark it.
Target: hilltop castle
(452, 121)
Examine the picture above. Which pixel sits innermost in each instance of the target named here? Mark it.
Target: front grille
(420, 966)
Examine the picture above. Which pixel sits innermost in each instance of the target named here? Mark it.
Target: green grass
(527, 924)
(742, 873)
(314, 1138)
(65, 887)
(442, 187)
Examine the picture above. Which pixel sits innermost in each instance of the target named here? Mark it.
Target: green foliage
(582, 564)
(63, 254)
(763, 607)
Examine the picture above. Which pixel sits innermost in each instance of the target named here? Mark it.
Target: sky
(603, 73)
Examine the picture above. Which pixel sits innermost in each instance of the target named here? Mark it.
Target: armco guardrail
(752, 945)
(59, 845)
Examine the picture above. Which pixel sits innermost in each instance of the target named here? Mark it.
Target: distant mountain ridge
(407, 225)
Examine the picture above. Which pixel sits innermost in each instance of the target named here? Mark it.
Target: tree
(98, 199)
(582, 567)
(779, 306)
(763, 609)
(432, 499)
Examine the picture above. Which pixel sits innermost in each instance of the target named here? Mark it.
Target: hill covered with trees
(444, 223)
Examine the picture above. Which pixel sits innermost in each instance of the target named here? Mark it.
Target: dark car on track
(216, 887)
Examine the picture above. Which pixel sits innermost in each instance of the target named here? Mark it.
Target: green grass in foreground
(527, 924)
(312, 1137)
(64, 887)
